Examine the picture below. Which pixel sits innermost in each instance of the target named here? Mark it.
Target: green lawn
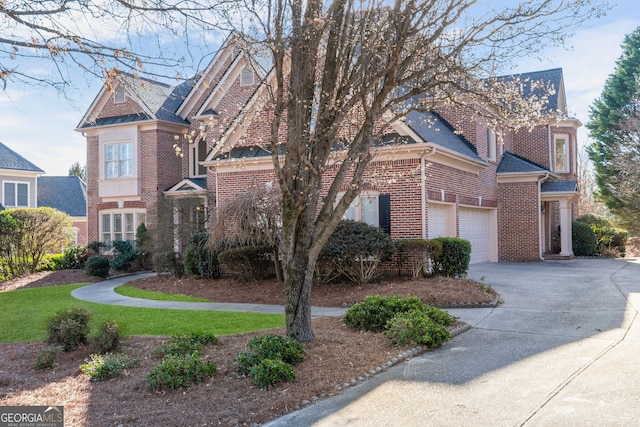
(23, 314)
(130, 291)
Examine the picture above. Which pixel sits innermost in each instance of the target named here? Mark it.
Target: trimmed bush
(48, 357)
(124, 253)
(51, 262)
(98, 266)
(200, 261)
(180, 372)
(584, 239)
(103, 367)
(416, 326)
(417, 254)
(180, 345)
(107, 339)
(68, 328)
(270, 372)
(609, 240)
(74, 257)
(248, 262)
(269, 346)
(355, 249)
(454, 258)
(373, 313)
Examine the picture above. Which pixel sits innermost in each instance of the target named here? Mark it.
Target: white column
(566, 243)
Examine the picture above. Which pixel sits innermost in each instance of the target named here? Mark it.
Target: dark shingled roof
(567, 185)
(431, 127)
(512, 163)
(67, 194)
(11, 160)
(553, 77)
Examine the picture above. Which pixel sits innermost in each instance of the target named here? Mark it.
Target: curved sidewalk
(104, 293)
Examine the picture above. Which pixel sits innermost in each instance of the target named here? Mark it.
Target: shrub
(248, 262)
(609, 240)
(68, 328)
(74, 257)
(200, 261)
(144, 246)
(107, 339)
(416, 326)
(269, 372)
(269, 346)
(180, 345)
(454, 258)
(102, 367)
(418, 254)
(95, 247)
(373, 313)
(98, 266)
(47, 358)
(124, 253)
(168, 262)
(51, 262)
(584, 239)
(180, 372)
(355, 249)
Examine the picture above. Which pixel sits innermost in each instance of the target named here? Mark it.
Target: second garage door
(474, 226)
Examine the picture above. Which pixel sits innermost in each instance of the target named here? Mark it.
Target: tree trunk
(298, 283)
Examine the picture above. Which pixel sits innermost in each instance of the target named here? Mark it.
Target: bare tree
(344, 70)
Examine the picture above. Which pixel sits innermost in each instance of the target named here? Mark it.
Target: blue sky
(39, 124)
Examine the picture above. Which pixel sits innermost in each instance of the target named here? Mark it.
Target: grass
(25, 311)
(130, 291)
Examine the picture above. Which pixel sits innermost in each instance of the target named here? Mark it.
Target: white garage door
(474, 227)
(437, 224)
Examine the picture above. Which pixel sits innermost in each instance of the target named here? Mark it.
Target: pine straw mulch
(337, 356)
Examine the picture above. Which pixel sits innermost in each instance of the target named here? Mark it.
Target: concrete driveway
(563, 350)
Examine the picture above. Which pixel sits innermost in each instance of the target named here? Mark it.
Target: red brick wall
(518, 222)
(93, 164)
(533, 145)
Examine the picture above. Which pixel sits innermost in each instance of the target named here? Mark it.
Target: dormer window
(118, 95)
(198, 153)
(247, 77)
(491, 144)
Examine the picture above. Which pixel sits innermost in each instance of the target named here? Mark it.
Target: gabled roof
(10, 160)
(67, 194)
(433, 128)
(560, 186)
(556, 101)
(512, 163)
(188, 186)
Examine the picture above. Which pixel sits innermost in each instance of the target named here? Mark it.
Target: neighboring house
(67, 194)
(514, 199)
(19, 180)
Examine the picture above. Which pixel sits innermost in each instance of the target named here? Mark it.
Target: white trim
(15, 197)
(567, 164)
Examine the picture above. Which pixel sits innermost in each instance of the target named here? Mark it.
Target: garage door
(474, 227)
(437, 225)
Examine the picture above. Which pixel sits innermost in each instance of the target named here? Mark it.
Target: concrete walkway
(104, 293)
(561, 351)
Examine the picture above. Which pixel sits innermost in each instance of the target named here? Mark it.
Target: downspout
(540, 230)
(423, 191)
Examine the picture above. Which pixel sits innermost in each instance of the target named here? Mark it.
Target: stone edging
(416, 351)
(491, 304)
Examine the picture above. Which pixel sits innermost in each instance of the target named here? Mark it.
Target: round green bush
(454, 258)
(74, 257)
(269, 346)
(269, 372)
(180, 372)
(98, 266)
(68, 328)
(584, 239)
(373, 313)
(416, 326)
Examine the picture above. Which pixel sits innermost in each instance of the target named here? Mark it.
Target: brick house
(150, 159)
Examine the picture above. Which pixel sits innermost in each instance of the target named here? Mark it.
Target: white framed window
(119, 94)
(118, 160)
(247, 77)
(120, 225)
(561, 153)
(197, 153)
(491, 144)
(16, 194)
(364, 208)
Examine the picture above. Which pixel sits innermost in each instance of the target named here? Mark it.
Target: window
(16, 194)
(561, 153)
(372, 208)
(121, 225)
(118, 160)
(198, 154)
(246, 78)
(491, 144)
(118, 95)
